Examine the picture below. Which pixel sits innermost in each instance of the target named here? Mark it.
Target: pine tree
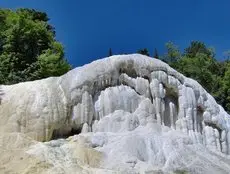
(110, 52)
(143, 51)
(155, 55)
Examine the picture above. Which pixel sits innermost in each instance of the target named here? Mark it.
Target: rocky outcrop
(125, 114)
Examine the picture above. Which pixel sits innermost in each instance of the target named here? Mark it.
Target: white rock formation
(122, 114)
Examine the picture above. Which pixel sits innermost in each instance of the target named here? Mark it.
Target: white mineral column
(223, 142)
(162, 112)
(228, 142)
(77, 114)
(195, 119)
(181, 122)
(184, 125)
(210, 138)
(85, 128)
(87, 104)
(161, 91)
(154, 88)
(94, 126)
(217, 136)
(172, 114)
(158, 109)
(189, 118)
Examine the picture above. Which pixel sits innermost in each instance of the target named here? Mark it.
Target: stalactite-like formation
(163, 98)
(97, 96)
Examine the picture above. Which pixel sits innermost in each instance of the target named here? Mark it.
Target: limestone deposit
(124, 114)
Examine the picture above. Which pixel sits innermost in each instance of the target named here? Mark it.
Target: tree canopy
(198, 62)
(28, 48)
(155, 54)
(143, 51)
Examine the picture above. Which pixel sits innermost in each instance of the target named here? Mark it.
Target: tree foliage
(197, 47)
(155, 54)
(28, 49)
(198, 62)
(173, 54)
(143, 51)
(225, 92)
(110, 52)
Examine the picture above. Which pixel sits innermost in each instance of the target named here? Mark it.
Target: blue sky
(88, 28)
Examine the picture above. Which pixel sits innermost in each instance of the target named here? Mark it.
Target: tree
(143, 51)
(197, 68)
(25, 37)
(196, 47)
(198, 62)
(110, 52)
(155, 54)
(226, 88)
(51, 62)
(173, 54)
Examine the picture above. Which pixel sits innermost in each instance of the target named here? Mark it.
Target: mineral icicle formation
(131, 107)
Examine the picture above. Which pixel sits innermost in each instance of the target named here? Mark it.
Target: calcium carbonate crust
(121, 114)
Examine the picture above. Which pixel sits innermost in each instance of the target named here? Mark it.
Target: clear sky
(88, 28)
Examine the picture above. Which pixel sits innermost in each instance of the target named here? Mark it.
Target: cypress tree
(155, 55)
(110, 52)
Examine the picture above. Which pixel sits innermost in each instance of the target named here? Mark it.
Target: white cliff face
(122, 114)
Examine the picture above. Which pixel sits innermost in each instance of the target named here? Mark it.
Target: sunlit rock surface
(122, 114)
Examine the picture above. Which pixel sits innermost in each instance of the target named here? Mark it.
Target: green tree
(51, 62)
(197, 68)
(226, 88)
(143, 51)
(198, 62)
(110, 52)
(25, 37)
(196, 47)
(173, 54)
(155, 54)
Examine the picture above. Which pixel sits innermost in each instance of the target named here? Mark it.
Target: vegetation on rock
(198, 62)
